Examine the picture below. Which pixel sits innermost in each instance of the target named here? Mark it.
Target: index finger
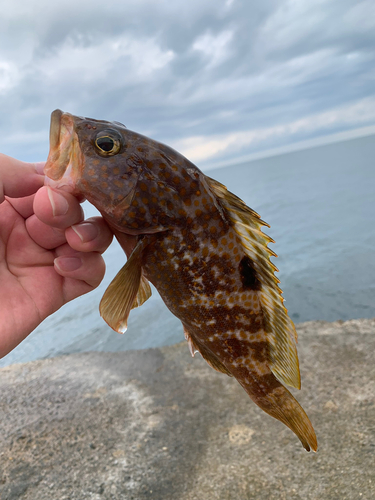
(18, 178)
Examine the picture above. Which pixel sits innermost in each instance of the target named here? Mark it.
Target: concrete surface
(157, 424)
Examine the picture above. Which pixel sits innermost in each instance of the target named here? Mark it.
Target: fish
(201, 247)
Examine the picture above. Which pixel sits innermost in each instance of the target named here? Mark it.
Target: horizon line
(297, 146)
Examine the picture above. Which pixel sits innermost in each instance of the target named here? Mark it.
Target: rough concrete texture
(157, 424)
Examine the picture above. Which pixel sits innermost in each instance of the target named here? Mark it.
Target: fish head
(85, 160)
(138, 184)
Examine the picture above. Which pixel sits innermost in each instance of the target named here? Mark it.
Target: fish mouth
(62, 164)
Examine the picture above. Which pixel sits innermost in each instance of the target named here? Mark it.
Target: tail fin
(273, 398)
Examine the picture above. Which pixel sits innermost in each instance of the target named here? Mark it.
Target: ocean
(320, 204)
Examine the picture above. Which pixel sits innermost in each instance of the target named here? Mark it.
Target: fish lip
(54, 131)
(62, 158)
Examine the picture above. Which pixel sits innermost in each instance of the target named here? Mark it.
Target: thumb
(18, 178)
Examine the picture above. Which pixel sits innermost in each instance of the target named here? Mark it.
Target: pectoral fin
(129, 289)
(144, 292)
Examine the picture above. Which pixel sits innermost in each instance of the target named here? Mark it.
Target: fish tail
(273, 398)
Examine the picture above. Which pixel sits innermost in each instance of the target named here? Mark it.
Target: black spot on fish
(248, 274)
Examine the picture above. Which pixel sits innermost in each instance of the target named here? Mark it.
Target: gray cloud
(214, 78)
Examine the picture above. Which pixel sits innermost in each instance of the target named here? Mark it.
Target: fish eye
(107, 143)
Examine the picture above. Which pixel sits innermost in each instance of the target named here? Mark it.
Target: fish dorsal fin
(280, 330)
(206, 354)
(129, 289)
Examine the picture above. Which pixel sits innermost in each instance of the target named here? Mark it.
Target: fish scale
(198, 244)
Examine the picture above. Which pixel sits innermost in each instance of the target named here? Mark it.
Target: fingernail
(59, 204)
(68, 264)
(86, 231)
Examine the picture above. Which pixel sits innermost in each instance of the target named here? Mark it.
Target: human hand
(48, 254)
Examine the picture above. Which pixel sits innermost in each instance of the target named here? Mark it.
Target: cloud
(133, 61)
(232, 76)
(214, 47)
(300, 26)
(202, 148)
(8, 76)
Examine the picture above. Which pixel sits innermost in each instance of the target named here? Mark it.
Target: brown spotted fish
(198, 244)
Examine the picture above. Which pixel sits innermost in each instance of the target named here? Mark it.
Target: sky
(215, 79)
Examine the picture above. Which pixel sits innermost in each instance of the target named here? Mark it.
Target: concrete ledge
(157, 424)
